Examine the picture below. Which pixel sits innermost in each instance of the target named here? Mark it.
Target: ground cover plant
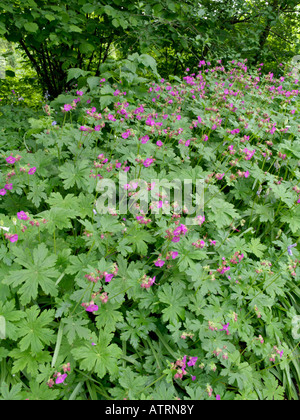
(143, 306)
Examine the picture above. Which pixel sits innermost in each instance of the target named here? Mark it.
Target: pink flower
(159, 143)
(159, 263)
(177, 238)
(14, 238)
(225, 328)
(22, 216)
(32, 171)
(92, 308)
(61, 378)
(192, 361)
(126, 134)
(247, 174)
(109, 277)
(68, 107)
(8, 187)
(11, 160)
(148, 162)
(180, 230)
(144, 139)
(3, 191)
(220, 176)
(218, 397)
(174, 254)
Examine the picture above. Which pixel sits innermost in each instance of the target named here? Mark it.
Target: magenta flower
(187, 143)
(220, 176)
(180, 230)
(11, 160)
(126, 134)
(109, 277)
(177, 238)
(159, 143)
(218, 397)
(148, 162)
(92, 308)
(14, 238)
(193, 378)
(61, 378)
(159, 263)
(22, 216)
(174, 254)
(225, 328)
(144, 139)
(68, 107)
(3, 191)
(32, 171)
(8, 187)
(192, 361)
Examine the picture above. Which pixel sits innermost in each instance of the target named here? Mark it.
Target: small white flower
(4, 228)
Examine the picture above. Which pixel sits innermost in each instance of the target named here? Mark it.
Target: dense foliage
(56, 36)
(138, 306)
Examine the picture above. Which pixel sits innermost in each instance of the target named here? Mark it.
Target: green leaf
(93, 82)
(76, 327)
(100, 358)
(222, 213)
(87, 48)
(75, 73)
(28, 360)
(89, 8)
(74, 28)
(257, 247)
(106, 100)
(108, 316)
(38, 271)
(49, 17)
(31, 27)
(41, 392)
(293, 219)
(11, 316)
(75, 174)
(12, 394)
(272, 390)
(174, 297)
(132, 382)
(10, 73)
(37, 194)
(34, 330)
